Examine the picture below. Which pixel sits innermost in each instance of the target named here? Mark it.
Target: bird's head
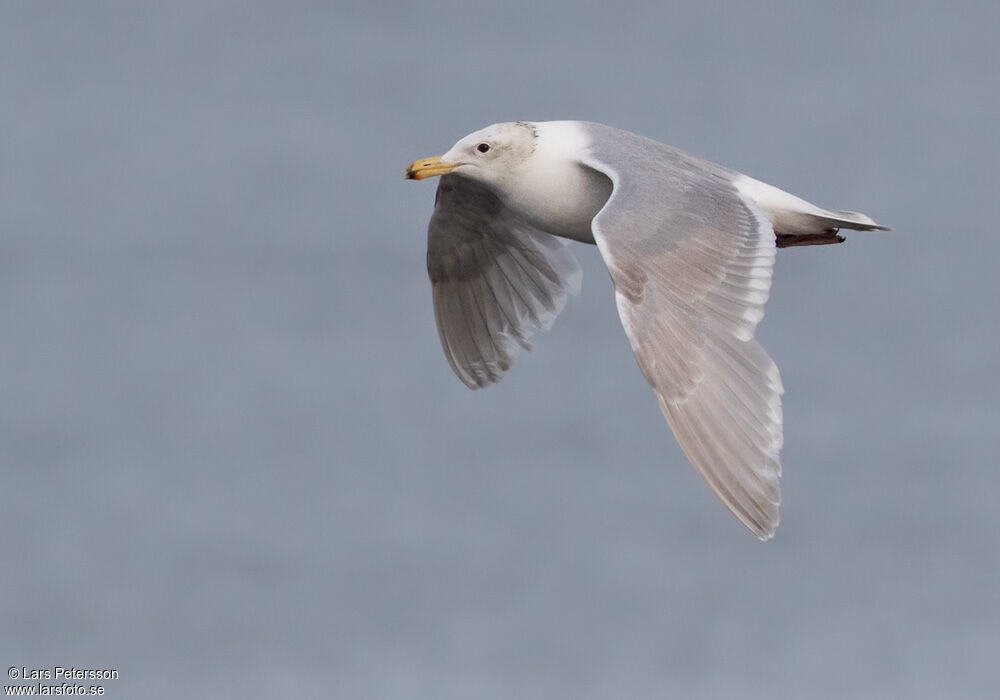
(490, 155)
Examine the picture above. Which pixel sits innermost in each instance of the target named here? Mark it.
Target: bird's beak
(428, 167)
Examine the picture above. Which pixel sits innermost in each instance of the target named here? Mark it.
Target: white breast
(553, 190)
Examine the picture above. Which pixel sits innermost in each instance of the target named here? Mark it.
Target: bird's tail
(836, 218)
(796, 221)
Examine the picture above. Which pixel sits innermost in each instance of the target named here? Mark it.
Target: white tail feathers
(852, 219)
(792, 215)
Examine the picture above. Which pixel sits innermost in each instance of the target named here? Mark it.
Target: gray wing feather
(495, 279)
(691, 262)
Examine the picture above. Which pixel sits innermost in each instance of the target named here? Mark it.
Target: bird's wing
(495, 279)
(691, 262)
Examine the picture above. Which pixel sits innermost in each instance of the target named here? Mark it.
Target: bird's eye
(483, 147)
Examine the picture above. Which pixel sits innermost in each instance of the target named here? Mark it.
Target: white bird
(690, 246)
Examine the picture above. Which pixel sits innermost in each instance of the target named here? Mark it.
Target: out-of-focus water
(235, 462)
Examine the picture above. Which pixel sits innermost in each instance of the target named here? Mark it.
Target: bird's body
(689, 244)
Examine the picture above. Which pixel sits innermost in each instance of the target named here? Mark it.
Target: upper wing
(691, 262)
(495, 279)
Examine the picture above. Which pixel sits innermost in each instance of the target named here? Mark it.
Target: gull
(690, 246)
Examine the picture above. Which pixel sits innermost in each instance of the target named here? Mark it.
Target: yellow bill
(428, 167)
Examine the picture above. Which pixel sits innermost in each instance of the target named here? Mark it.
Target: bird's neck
(553, 190)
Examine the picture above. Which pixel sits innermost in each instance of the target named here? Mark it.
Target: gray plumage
(495, 279)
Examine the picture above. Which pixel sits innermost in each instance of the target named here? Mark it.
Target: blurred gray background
(235, 462)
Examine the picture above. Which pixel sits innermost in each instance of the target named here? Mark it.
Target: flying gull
(690, 246)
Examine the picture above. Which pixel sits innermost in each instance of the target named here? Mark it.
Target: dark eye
(483, 147)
